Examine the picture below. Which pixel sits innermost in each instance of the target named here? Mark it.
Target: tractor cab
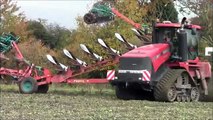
(167, 32)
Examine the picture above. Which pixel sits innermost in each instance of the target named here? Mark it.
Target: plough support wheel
(28, 85)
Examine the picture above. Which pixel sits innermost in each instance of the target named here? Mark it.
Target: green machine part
(6, 40)
(100, 12)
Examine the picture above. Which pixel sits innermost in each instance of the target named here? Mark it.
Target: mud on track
(57, 105)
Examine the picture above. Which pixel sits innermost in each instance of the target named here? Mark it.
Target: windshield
(193, 37)
(163, 35)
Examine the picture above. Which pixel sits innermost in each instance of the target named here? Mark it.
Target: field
(92, 103)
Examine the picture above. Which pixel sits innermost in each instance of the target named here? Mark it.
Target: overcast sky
(61, 12)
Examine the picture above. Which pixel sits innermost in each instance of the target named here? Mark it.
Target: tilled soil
(59, 106)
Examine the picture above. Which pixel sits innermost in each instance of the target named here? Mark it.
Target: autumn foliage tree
(12, 20)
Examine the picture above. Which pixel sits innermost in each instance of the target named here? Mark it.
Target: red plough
(32, 78)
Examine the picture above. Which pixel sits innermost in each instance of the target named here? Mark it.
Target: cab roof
(177, 25)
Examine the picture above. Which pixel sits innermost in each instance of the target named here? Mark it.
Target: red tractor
(169, 68)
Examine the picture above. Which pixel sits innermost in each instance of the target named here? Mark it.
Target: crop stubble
(96, 105)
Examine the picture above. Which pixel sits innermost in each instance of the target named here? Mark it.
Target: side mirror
(194, 31)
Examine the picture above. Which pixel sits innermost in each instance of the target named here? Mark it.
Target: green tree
(52, 35)
(39, 31)
(161, 9)
(60, 35)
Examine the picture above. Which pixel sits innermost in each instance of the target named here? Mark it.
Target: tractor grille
(131, 69)
(135, 64)
(128, 77)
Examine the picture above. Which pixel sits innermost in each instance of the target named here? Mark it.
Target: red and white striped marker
(110, 74)
(146, 75)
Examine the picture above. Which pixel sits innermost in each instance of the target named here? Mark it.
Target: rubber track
(162, 87)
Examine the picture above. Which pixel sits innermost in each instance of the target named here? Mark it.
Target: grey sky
(60, 12)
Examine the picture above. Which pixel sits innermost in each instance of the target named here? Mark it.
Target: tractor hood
(147, 51)
(157, 53)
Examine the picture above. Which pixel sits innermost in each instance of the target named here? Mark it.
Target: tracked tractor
(169, 68)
